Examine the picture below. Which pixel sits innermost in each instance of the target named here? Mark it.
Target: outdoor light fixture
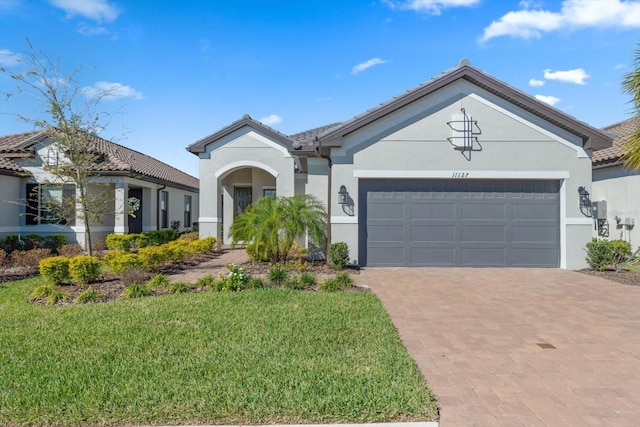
(343, 195)
(585, 202)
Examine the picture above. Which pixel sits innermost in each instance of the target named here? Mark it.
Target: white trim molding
(344, 219)
(459, 174)
(246, 163)
(208, 220)
(579, 221)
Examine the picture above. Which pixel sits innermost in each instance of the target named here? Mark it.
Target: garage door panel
(483, 256)
(433, 233)
(460, 222)
(442, 257)
(483, 233)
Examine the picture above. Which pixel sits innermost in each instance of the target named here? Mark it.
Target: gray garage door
(459, 223)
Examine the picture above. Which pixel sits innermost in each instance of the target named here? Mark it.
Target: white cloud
(367, 64)
(551, 100)
(574, 14)
(536, 83)
(576, 76)
(433, 7)
(272, 119)
(619, 66)
(96, 10)
(8, 58)
(111, 91)
(87, 30)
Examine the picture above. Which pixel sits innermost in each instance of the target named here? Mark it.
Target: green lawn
(253, 357)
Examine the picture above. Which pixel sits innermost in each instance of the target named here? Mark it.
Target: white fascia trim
(208, 220)
(579, 221)
(460, 174)
(120, 229)
(344, 219)
(81, 229)
(581, 152)
(246, 163)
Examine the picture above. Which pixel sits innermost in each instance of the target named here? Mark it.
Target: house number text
(460, 175)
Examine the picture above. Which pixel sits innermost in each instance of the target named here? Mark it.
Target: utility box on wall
(599, 209)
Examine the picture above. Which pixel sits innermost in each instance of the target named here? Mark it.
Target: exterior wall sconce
(343, 195)
(585, 202)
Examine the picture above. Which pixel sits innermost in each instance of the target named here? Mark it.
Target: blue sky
(185, 69)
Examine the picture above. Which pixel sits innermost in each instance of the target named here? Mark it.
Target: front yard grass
(253, 357)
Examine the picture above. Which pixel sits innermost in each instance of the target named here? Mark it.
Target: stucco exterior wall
(244, 150)
(412, 143)
(621, 189)
(10, 207)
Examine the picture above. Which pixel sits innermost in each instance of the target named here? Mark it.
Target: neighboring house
(164, 194)
(463, 170)
(617, 185)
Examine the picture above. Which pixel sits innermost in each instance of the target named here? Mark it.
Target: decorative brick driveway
(511, 347)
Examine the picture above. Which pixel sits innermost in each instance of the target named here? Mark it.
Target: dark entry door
(242, 199)
(135, 224)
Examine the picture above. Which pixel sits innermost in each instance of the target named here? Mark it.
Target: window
(269, 192)
(187, 211)
(51, 204)
(164, 209)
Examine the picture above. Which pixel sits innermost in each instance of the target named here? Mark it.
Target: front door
(135, 222)
(242, 199)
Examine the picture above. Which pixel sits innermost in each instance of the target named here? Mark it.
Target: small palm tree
(277, 222)
(631, 85)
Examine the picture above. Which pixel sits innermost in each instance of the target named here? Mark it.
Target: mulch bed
(626, 277)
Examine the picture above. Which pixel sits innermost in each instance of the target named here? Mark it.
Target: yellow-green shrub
(119, 262)
(189, 237)
(55, 270)
(120, 242)
(176, 250)
(153, 258)
(201, 246)
(257, 252)
(84, 269)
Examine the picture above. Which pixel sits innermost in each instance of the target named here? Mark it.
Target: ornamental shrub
(29, 261)
(137, 290)
(84, 269)
(153, 258)
(119, 262)
(257, 252)
(201, 246)
(277, 275)
(48, 293)
(89, 295)
(602, 253)
(176, 250)
(55, 270)
(339, 255)
(119, 242)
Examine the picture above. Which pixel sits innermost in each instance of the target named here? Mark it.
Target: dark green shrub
(55, 241)
(206, 282)
(55, 270)
(84, 269)
(178, 287)
(277, 275)
(345, 280)
(89, 295)
(339, 255)
(256, 283)
(48, 293)
(337, 283)
(159, 237)
(602, 253)
(237, 279)
(137, 290)
(159, 281)
(308, 279)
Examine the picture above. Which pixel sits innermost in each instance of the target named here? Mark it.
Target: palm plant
(277, 222)
(631, 85)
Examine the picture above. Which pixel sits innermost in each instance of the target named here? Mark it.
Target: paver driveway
(479, 337)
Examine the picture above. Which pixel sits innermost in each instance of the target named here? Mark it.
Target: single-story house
(463, 170)
(143, 193)
(618, 186)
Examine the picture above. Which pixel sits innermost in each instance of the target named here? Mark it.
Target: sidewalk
(214, 266)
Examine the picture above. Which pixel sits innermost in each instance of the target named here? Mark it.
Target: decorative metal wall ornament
(465, 134)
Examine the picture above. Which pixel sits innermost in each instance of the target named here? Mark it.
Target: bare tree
(72, 120)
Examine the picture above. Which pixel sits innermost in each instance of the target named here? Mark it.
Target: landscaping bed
(623, 276)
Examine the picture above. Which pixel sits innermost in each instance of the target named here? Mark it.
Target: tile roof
(622, 131)
(118, 159)
(8, 165)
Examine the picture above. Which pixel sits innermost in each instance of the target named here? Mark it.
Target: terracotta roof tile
(623, 131)
(118, 158)
(10, 166)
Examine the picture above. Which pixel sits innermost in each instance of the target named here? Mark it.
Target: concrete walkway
(512, 347)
